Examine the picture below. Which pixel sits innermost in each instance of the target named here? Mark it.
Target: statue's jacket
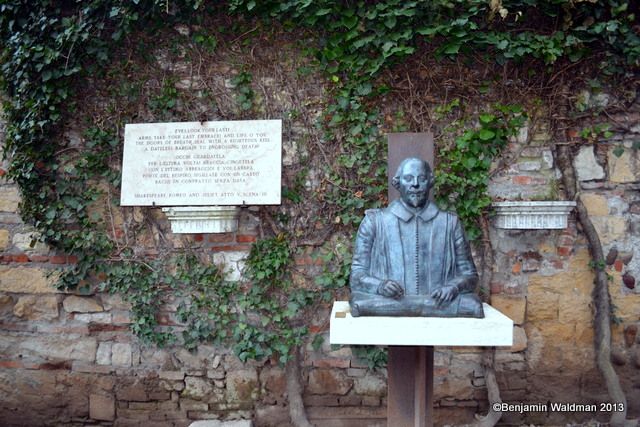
(423, 251)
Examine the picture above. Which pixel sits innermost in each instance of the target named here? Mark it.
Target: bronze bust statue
(411, 258)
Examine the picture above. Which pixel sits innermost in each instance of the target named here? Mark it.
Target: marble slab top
(495, 329)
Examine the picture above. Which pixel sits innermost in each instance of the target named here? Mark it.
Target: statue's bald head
(403, 163)
(413, 179)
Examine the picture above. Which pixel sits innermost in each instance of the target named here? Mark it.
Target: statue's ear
(395, 182)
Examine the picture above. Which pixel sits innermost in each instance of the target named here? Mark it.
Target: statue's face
(414, 184)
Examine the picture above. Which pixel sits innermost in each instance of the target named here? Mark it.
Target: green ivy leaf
(390, 22)
(618, 151)
(486, 134)
(452, 48)
(486, 118)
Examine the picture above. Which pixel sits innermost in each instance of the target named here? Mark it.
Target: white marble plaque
(495, 329)
(202, 164)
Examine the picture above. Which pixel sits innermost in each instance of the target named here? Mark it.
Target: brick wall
(70, 359)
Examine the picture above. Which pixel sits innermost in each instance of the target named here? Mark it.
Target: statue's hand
(391, 289)
(445, 294)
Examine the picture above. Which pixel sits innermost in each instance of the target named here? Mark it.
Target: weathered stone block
(133, 414)
(547, 159)
(370, 401)
(242, 385)
(102, 407)
(196, 388)
(519, 339)
(529, 166)
(273, 380)
(610, 228)
(617, 205)
(190, 360)
(232, 262)
(171, 375)
(9, 198)
(542, 304)
(5, 301)
(215, 362)
(626, 302)
(134, 392)
(370, 385)
(575, 308)
(147, 406)
(102, 318)
(272, 415)
(26, 280)
(512, 307)
(4, 239)
(193, 405)
(119, 317)
(56, 347)
(318, 400)
(356, 372)
(596, 204)
(216, 374)
(586, 165)
(584, 334)
(121, 354)
(630, 334)
(624, 169)
(350, 400)
(327, 381)
(30, 243)
(33, 307)
(330, 362)
(454, 387)
(76, 304)
(558, 335)
(114, 301)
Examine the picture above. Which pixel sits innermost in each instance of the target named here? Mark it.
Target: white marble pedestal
(411, 341)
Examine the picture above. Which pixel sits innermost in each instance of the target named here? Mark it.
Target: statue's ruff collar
(399, 209)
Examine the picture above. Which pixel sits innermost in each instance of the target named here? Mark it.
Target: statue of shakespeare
(411, 258)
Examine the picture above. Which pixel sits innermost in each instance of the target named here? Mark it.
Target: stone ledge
(532, 215)
(203, 219)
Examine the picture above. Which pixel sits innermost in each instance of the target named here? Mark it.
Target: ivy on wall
(48, 45)
(463, 167)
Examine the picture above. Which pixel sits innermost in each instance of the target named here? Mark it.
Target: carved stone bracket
(203, 219)
(532, 215)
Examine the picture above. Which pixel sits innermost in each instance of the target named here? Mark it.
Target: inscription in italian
(209, 163)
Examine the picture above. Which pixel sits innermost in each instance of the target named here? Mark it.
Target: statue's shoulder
(450, 216)
(373, 213)
(373, 217)
(453, 220)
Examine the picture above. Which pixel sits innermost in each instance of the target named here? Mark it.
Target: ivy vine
(463, 166)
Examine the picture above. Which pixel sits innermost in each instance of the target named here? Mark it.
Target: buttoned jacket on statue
(422, 250)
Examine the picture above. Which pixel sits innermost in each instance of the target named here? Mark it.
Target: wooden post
(403, 145)
(410, 386)
(410, 368)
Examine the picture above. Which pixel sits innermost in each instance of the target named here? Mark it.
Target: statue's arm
(360, 279)
(466, 277)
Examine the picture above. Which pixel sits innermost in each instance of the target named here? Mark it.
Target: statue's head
(413, 180)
